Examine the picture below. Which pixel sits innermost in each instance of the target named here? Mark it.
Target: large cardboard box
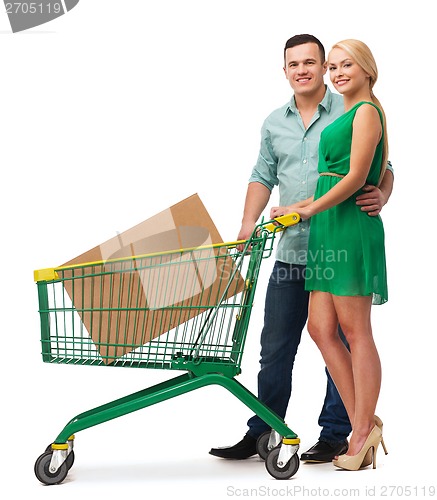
(123, 307)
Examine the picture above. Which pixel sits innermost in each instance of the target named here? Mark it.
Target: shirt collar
(325, 103)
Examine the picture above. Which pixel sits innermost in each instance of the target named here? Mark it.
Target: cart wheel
(43, 473)
(69, 461)
(262, 444)
(277, 472)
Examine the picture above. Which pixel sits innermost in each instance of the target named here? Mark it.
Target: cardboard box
(127, 303)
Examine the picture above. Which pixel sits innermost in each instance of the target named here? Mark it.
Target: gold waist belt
(332, 174)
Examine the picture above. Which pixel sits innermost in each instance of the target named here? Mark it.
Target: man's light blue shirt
(288, 158)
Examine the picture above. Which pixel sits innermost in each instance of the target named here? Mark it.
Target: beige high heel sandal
(368, 458)
(379, 423)
(355, 462)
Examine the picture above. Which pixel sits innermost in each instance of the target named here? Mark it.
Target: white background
(121, 108)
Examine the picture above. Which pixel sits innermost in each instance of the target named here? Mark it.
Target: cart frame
(203, 367)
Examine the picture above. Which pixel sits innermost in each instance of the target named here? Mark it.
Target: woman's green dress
(346, 254)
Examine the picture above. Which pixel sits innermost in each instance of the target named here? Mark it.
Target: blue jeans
(285, 315)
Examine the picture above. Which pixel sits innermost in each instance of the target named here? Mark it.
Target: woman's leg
(323, 329)
(354, 315)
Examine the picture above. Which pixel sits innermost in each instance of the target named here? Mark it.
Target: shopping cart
(185, 310)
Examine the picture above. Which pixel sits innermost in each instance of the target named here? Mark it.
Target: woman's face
(345, 74)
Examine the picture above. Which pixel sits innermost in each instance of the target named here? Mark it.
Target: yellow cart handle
(283, 222)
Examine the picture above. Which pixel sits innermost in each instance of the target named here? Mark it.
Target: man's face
(304, 69)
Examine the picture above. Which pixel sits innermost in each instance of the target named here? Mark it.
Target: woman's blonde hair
(363, 56)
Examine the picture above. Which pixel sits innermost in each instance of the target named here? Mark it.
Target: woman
(346, 270)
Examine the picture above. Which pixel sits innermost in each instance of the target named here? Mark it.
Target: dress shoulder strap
(372, 104)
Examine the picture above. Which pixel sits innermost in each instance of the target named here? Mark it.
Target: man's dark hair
(301, 39)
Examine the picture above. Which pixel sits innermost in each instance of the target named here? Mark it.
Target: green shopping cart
(185, 310)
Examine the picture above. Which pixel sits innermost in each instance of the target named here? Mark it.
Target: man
(288, 158)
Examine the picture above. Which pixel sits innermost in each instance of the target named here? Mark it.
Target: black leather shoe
(244, 449)
(324, 452)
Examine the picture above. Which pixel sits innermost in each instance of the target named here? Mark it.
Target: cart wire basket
(186, 310)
